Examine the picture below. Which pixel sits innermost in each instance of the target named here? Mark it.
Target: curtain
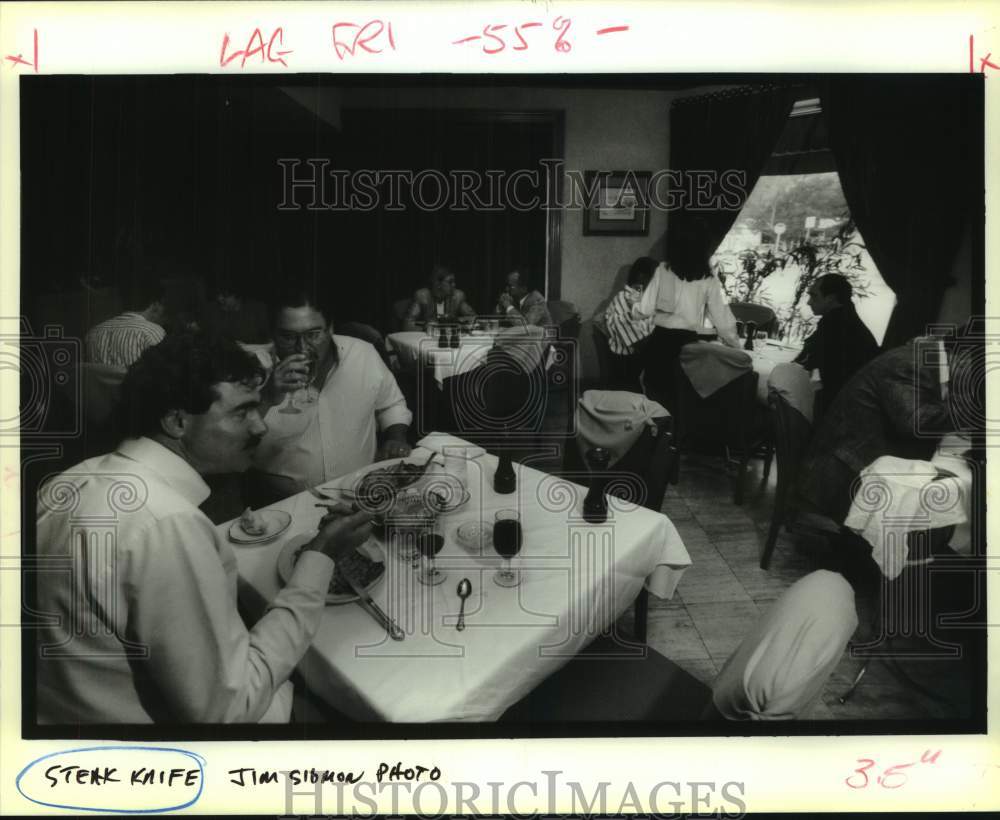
(733, 130)
(907, 151)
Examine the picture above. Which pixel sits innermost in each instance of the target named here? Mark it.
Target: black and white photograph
(340, 418)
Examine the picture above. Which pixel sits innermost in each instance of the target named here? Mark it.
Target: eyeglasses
(287, 338)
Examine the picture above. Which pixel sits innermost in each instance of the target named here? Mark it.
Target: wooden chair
(760, 315)
(566, 317)
(729, 419)
(653, 460)
(601, 685)
(790, 433)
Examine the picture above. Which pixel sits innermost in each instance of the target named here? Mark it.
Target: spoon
(464, 591)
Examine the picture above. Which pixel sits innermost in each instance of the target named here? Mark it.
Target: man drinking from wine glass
(330, 399)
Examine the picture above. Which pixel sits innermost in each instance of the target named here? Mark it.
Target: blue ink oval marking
(198, 759)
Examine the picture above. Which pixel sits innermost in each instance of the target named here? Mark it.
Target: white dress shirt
(676, 303)
(336, 434)
(142, 591)
(120, 341)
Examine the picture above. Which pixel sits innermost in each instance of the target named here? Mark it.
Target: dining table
(576, 579)
(767, 354)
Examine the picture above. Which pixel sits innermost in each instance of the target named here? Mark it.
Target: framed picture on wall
(619, 203)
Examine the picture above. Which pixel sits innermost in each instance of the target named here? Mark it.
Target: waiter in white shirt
(331, 398)
(680, 296)
(142, 588)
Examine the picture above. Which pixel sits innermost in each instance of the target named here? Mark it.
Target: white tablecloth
(898, 496)
(577, 579)
(765, 356)
(416, 347)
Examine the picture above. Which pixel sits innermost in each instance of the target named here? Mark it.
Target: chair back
(760, 315)
(650, 459)
(566, 316)
(779, 669)
(359, 330)
(791, 436)
(726, 417)
(604, 361)
(399, 308)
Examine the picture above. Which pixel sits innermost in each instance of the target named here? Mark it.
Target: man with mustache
(143, 626)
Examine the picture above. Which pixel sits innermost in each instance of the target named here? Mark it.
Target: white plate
(286, 566)
(277, 522)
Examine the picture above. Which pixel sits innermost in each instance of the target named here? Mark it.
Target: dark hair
(296, 295)
(525, 277)
(143, 291)
(642, 271)
(180, 373)
(440, 272)
(834, 284)
(689, 249)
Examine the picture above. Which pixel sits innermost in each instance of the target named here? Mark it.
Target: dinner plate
(286, 566)
(277, 522)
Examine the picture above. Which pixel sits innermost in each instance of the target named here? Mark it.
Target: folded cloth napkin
(614, 420)
(456, 446)
(794, 384)
(898, 496)
(711, 367)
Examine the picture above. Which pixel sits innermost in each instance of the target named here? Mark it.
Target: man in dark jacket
(899, 404)
(841, 344)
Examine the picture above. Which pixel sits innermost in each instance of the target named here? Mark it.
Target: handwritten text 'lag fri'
(351, 39)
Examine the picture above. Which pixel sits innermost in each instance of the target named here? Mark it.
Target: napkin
(899, 495)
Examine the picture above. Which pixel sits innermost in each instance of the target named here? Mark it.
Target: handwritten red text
(256, 48)
(18, 59)
(984, 62)
(890, 778)
(372, 37)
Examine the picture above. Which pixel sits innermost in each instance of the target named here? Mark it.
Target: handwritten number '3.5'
(893, 773)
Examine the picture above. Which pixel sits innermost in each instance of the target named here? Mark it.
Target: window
(795, 227)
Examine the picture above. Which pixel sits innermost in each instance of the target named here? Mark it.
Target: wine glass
(304, 396)
(507, 542)
(430, 543)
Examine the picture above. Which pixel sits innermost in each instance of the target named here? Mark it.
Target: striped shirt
(121, 340)
(624, 330)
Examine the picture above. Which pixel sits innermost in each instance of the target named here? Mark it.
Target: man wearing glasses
(331, 401)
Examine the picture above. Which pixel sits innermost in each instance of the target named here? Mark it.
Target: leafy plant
(812, 257)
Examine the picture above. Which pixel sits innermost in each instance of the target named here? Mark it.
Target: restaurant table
(416, 348)
(576, 579)
(764, 357)
(900, 496)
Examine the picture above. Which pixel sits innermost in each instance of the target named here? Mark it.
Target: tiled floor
(725, 591)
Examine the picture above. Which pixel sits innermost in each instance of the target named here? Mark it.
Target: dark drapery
(909, 155)
(733, 130)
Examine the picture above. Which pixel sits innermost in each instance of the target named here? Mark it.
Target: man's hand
(289, 375)
(392, 448)
(341, 531)
(505, 301)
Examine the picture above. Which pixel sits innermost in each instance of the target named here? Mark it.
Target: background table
(577, 579)
(416, 348)
(764, 357)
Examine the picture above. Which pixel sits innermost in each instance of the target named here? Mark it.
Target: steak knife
(373, 609)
